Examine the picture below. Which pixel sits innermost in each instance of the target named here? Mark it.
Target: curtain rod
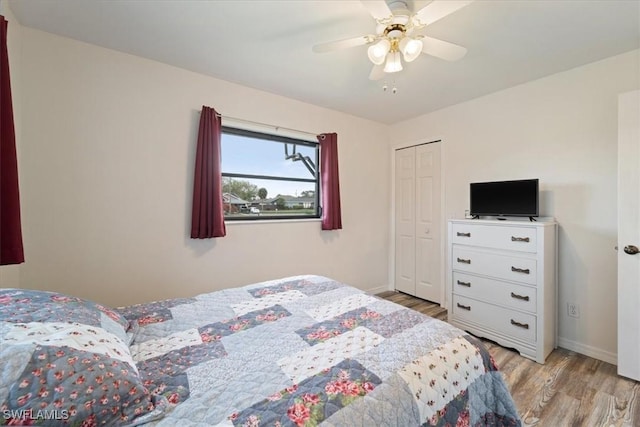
(277, 128)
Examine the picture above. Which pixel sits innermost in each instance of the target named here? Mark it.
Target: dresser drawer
(507, 294)
(509, 322)
(510, 268)
(512, 238)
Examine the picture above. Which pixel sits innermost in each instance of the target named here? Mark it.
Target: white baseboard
(587, 350)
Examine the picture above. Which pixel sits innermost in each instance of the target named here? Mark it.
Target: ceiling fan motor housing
(395, 31)
(399, 7)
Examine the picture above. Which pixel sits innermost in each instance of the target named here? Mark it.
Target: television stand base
(532, 219)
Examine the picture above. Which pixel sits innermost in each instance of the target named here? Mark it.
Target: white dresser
(502, 282)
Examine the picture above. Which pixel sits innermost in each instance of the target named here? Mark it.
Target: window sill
(272, 221)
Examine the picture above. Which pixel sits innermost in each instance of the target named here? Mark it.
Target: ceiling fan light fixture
(396, 37)
(394, 63)
(378, 52)
(410, 48)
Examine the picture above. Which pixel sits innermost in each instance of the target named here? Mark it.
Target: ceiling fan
(398, 35)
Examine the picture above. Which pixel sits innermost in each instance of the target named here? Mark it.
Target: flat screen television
(504, 198)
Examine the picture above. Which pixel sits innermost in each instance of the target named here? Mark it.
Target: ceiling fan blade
(438, 9)
(377, 72)
(377, 8)
(442, 49)
(342, 44)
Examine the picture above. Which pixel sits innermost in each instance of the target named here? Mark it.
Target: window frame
(283, 140)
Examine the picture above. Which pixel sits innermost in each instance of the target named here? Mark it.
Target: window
(268, 176)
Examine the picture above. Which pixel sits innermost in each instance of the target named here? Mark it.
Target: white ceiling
(266, 44)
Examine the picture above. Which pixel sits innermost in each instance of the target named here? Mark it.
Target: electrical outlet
(573, 309)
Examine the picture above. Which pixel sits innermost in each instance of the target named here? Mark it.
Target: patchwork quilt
(300, 351)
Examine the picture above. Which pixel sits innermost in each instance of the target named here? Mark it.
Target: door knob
(631, 250)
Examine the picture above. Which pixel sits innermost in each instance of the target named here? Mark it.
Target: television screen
(504, 198)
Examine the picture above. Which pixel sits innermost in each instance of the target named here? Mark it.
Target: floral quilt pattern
(301, 351)
(308, 351)
(66, 361)
(79, 392)
(154, 312)
(313, 400)
(24, 306)
(345, 322)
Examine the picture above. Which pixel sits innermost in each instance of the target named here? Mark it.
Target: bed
(299, 351)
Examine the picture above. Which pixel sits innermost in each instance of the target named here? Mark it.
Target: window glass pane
(246, 155)
(267, 198)
(268, 176)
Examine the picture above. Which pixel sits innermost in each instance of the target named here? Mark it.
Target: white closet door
(427, 230)
(629, 235)
(405, 259)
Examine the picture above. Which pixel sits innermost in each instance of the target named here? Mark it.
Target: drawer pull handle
(467, 284)
(459, 234)
(520, 325)
(464, 261)
(519, 270)
(519, 239)
(522, 297)
(467, 307)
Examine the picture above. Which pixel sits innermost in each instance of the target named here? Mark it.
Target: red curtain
(207, 216)
(11, 250)
(331, 216)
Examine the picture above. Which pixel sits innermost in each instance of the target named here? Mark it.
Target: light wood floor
(570, 389)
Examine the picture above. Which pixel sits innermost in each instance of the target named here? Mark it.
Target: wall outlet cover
(573, 309)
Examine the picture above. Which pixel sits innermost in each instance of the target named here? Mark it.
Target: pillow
(65, 359)
(24, 305)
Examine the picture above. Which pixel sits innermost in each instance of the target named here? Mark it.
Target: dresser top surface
(514, 221)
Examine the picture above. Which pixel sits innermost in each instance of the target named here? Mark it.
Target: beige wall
(10, 274)
(108, 146)
(106, 151)
(563, 130)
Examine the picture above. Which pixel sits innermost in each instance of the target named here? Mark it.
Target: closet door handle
(465, 261)
(520, 270)
(465, 307)
(522, 297)
(520, 325)
(467, 284)
(459, 234)
(519, 239)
